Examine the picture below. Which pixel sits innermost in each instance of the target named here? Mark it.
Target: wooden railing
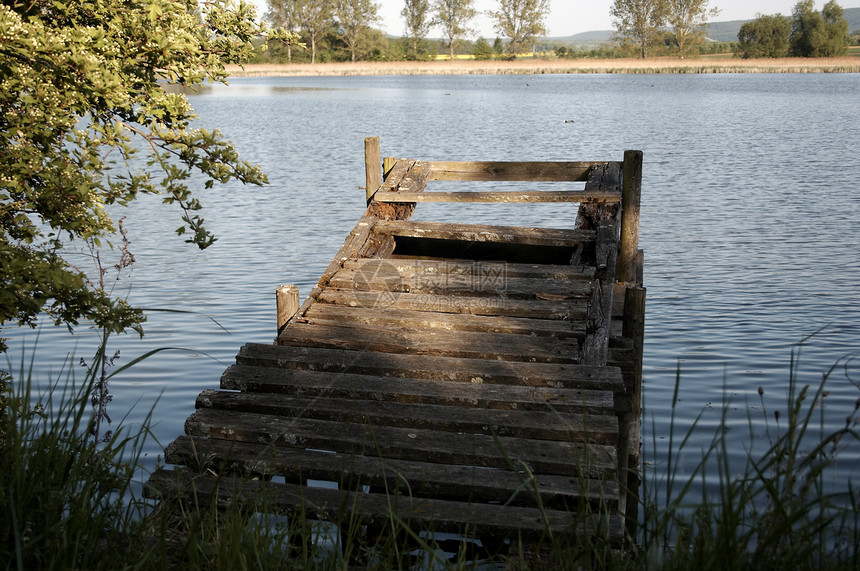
(606, 183)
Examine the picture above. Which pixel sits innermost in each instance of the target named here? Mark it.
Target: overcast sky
(568, 17)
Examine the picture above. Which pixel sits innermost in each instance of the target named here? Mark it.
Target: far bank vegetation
(350, 30)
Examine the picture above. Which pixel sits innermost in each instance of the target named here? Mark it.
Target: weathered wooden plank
(386, 276)
(591, 215)
(442, 481)
(287, 304)
(330, 314)
(629, 242)
(405, 175)
(353, 246)
(540, 425)
(559, 375)
(372, 164)
(512, 170)
(541, 456)
(472, 519)
(480, 270)
(485, 233)
(506, 196)
(595, 346)
(471, 344)
(479, 396)
(567, 309)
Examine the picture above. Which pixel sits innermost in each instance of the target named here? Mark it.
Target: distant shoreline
(847, 64)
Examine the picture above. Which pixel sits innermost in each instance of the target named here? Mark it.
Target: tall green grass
(69, 502)
(66, 500)
(779, 510)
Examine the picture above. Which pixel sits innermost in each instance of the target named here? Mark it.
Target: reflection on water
(230, 90)
(748, 224)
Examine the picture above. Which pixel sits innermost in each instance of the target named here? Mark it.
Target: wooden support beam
(631, 190)
(503, 196)
(511, 170)
(388, 164)
(484, 233)
(288, 304)
(633, 328)
(595, 347)
(373, 175)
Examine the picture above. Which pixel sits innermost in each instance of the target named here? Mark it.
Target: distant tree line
(346, 30)
(643, 25)
(332, 30)
(806, 34)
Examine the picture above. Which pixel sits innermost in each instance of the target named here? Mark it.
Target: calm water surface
(749, 225)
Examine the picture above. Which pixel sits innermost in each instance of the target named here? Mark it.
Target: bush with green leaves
(86, 125)
(766, 36)
(818, 34)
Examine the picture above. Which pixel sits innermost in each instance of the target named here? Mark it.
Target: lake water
(749, 225)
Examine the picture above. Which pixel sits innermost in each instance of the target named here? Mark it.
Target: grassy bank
(68, 502)
(847, 64)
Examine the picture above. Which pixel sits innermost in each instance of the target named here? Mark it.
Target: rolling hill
(717, 31)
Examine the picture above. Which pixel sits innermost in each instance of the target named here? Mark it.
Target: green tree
(687, 19)
(766, 36)
(453, 16)
(837, 29)
(498, 46)
(818, 34)
(285, 15)
(638, 22)
(416, 14)
(482, 50)
(521, 21)
(354, 16)
(312, 17)
(808, 33)
(86, 126)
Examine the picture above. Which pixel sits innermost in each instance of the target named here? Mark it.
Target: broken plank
(472, 519)
(406, 175)
(424, 479)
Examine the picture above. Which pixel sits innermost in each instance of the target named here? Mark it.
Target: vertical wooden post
(633, 328)
(631, 191)
(595, 347)
(288, 304)
(388, 164)
(373, 176)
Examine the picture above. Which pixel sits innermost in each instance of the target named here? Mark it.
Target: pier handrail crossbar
(606, 182)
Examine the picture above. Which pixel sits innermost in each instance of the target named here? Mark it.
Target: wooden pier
(471, 379)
